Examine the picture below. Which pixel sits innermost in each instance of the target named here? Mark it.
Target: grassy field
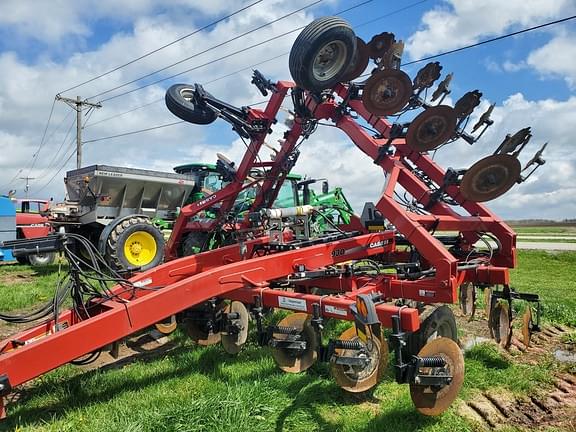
(204, 389)
(569, 230)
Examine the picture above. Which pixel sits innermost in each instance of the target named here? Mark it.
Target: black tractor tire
(193, 243)
(121, 234)
(42, 259)
(22, 260)
(180, 101)
(437, 322)
(330, 35)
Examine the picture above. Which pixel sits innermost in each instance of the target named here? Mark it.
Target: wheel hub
(329, 60)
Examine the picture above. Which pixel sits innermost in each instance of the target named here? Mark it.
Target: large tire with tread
(194, 243)
(180, 101)
(42, 259)
(437, 322)
(322, 53)
(135, 243)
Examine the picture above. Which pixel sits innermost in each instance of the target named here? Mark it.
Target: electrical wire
(213, 23)
(35, 155)
(315, 2)
(526, 30)
(243, 69)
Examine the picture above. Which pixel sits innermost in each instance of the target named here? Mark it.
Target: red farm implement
(391, 270)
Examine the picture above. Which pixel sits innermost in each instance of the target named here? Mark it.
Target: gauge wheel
(135, 243)
(439, 323)
(180, 101)
(322, 54)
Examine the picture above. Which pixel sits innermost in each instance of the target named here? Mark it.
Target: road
(546, 245)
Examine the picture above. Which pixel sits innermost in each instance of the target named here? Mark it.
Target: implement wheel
(180, 101)
(439, 323)
(135, 242)
(322, 54)
(358, 379)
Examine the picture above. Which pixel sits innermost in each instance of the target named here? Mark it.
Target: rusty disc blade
(490, 177)
(431, 128)
(427, 75)
(467, 299)
(290, 361)
(386, 92)
(167, 326)
(487, 300)
(433, 401)
(358, 379)
(233, 342)
(380, 44)
(360, 62)
(501, 325)
(527, 326)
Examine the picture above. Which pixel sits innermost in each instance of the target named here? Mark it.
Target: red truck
(31, 222)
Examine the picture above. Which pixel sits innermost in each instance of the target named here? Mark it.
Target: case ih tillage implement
(391, 271)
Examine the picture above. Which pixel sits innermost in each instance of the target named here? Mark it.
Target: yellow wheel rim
(140, 248)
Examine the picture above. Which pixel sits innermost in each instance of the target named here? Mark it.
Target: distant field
(521, 229)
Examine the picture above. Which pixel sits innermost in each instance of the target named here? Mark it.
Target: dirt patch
(496, 409)
(554, 409)
(17, 277)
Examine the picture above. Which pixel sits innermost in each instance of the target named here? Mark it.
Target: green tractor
(295, 191)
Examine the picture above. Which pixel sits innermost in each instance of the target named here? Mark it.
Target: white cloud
(456, 23)
(556, 58)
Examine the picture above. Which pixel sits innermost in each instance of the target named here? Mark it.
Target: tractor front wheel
(42, 259)
(135, 243)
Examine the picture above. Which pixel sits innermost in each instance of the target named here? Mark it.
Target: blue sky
(531, 78)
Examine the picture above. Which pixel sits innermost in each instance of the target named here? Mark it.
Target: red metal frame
(240, 274)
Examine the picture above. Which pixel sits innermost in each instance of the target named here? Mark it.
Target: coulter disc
(387, 92)
(292, 361)
(490, 177)
(233, 342)
(358, 379)
(431, 128)
(167, 326)
(527, 326)
(501, 325)
(467, 299)
(432, 400)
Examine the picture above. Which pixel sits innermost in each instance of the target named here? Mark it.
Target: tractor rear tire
(42, 259)
(180, 101)
(322, 54)
(135, 243)
(194, 243)
(439, 322)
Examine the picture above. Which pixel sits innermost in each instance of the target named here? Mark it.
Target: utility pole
(78, 104)
(27, 187)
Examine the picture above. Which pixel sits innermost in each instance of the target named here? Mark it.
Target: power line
(134, 132)
(163, 47)
(204, 51)
(526, 30)
(261, 62)
(35, 155)
(221, 58)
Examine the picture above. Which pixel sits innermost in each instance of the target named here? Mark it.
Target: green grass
(544, 229)
(551, 276)
(203, 389)
(24, 286)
